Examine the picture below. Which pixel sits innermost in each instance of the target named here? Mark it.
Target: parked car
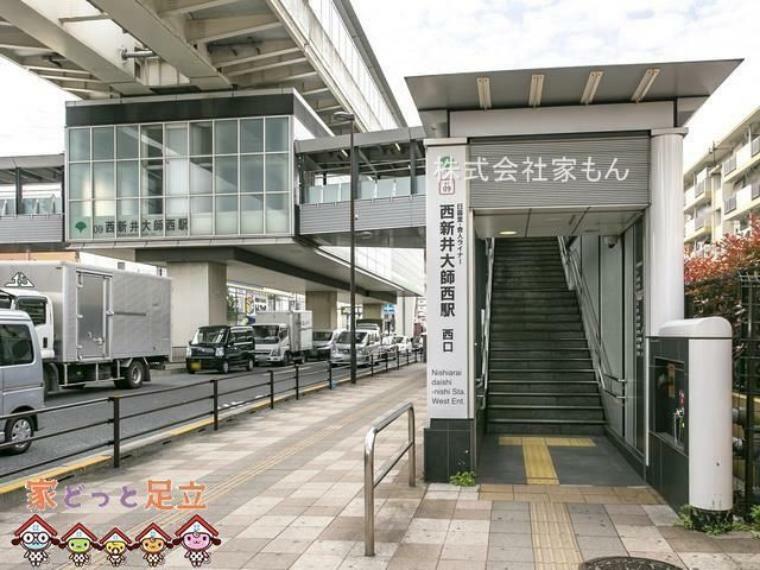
(220, 348)
(21, 379)
(368, 346)
(322, 343)
(403, 344)
(388, 347)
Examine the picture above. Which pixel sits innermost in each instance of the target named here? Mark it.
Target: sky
(416, 37)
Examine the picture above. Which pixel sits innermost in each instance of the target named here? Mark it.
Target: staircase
(541, 378)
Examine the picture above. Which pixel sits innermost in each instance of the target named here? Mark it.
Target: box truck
(282, 336)
(92, 323)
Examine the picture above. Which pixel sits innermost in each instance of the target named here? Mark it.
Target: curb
(13, 492)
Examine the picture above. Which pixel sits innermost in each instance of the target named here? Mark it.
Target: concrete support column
(199, 297)
(372, 311)
(405, 316)
(666, 226)
(324, 308)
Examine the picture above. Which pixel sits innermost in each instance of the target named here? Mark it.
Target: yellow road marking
(539, 467)
(66, 469)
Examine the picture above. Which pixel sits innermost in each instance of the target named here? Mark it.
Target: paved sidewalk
(284, 489)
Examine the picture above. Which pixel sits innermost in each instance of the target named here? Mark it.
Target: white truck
(92, 323)
(282, 336)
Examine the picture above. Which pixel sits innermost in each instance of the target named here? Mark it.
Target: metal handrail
(486, 325)
(370, 481)
(591, 327)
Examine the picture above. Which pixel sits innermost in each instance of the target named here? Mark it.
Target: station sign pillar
(449, 439)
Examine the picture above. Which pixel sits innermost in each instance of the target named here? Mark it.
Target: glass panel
(176, 216)
(37, 199)
(200, 138)
(79, 182)
(252, 174)
(421, 184)
(177, 177)
(403, 186)
(225, 137)
(176, 140)
(278, 135)
(252, 214)
(252, 135)
(366, 190)
(314, 195)
(152, 218)
(277, 173)
(226, 175)
(126, 141)
(278, 213)
(80, 220)
(102, 143)
(226, 215)
(152, 138)
(385, 187)
(128, 218)
(103, 180)
(201, 170)
(152, 178)
(127, 179)
(79, 144)
(8, 200)
(332, 192)
(201, 216)
(104, 223)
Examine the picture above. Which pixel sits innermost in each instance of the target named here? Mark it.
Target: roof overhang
(688, 84)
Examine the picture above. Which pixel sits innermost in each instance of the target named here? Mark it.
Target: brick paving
(284, 488)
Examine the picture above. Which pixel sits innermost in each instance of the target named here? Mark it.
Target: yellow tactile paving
(554, 544)
(539, 467)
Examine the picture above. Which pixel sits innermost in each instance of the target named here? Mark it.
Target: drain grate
(625, 563)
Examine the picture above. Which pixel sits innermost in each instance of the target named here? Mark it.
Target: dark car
(220, 348)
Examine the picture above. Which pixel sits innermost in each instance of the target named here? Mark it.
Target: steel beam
(214, 29)
(265, 67)
(178, 7)
(166, 40)
(267, 50)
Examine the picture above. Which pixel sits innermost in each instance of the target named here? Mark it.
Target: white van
(368, 347)
(21, 379)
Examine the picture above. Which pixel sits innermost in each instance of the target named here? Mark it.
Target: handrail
(486, 325)
(591, 327)
(370, 481)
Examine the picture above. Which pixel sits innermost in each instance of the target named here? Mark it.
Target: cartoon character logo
(115, 545)
(79, 541)
(196, 536)
(36, 537)
(153, 542)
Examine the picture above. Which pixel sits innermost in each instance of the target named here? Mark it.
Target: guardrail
(293, 381)
(370, 481)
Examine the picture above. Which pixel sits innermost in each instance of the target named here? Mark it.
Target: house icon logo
(20, 280)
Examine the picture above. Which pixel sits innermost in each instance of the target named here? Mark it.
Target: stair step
(582, 365)
(524, 344)
(549, 351)
(552, 336)
(546, 427)
(512, 412)
(544, 399)
(505, 315)
(542, 386)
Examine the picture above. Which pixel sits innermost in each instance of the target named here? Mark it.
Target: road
(149, 397)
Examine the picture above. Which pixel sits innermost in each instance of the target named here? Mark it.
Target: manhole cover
(625, 563)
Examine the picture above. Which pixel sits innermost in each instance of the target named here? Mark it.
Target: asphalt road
(149, 397)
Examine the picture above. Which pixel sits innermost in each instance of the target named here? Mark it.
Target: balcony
(697, 227)
(744, 200)
(744, 158)
(729, 166)
(696, 195)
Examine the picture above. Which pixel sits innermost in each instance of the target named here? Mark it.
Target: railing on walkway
(293, 381)
(371, 481)
(485, 337)
(591, 327)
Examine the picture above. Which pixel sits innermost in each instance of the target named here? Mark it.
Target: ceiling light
(508, 233)
(484, 92)
(592, 83)
(536, 89)
(644, 85)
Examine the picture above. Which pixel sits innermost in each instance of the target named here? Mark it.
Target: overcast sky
(415, 37)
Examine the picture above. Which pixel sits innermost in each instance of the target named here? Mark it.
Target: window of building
(190, 178)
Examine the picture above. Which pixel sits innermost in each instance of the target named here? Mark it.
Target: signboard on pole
(447, 283)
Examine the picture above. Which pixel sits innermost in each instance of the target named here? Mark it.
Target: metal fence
(293, 382)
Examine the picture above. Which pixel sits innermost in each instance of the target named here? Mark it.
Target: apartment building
(722, 189)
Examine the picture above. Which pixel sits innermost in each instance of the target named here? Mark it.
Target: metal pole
(369, 495)
(215, 385)
(271, 389)
(330, 375)
(412, 450)
(749, 462)
(298, 397)
(116, 431)
(352, 230)
(371, 364)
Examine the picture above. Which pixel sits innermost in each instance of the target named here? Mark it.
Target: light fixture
(592, 83)
(484, 92)
(398, 146)
(536, 89)
(508, 233)
(645, 84)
